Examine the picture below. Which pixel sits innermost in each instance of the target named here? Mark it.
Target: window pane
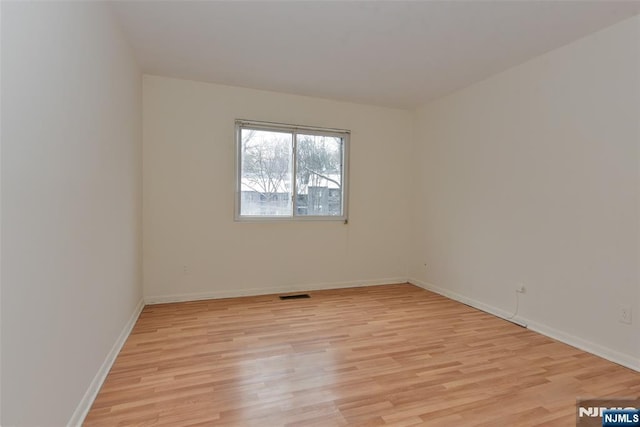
(319, 175)
(266, 169)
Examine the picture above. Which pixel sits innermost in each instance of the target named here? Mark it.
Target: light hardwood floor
(382, 355)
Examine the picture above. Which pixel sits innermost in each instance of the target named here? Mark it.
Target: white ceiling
(391, 53)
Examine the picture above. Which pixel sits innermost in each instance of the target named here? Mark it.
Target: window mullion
(294, 180)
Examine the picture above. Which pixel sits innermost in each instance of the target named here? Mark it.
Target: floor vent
(297, 296)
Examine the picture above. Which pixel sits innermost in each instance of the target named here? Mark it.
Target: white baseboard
(471, 302)
(161, 299)
(588, 346)
(85, 404)
(90, 395)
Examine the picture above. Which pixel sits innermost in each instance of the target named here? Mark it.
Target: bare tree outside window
(286, 173)
(266, 172)
(319, 175)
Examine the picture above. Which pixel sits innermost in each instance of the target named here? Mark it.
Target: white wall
(530, 176)
(533, 176)
(189, 184)
(71, 203)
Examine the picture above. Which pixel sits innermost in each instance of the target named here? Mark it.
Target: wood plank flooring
(381, 355)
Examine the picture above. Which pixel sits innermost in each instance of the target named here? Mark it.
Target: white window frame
(294, 130)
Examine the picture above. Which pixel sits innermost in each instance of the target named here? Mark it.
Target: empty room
(320, 213)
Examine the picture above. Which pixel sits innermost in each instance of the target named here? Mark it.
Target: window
(291, 172)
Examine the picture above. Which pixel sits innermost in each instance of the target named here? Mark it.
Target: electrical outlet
(625, 314)
(521, 289)
(185, 270)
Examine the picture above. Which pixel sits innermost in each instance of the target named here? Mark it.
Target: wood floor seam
(381, 355)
